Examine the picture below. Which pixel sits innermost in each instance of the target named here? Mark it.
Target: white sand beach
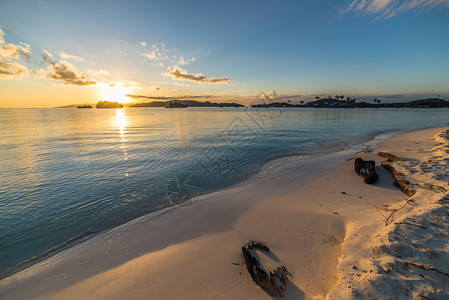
(321, 221)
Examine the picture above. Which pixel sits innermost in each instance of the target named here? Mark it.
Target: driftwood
(366, 169)
(390, 156)
(409, 223)
(425, 267)
(275, 283)
(399, 180)
(396, 210)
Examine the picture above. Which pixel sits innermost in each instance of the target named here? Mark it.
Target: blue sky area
(225, 49)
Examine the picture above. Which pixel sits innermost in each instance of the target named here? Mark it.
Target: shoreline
(260, 173)
(214, 218)
(38, 271)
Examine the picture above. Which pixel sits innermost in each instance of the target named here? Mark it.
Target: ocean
(69, 174)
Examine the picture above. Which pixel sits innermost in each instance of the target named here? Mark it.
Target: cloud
(268, 96)
(143, 44)
(70, 56)
(157, 53)
(187, 61)
(128, 83)
(63, 71)
(47, 57)
(12, 69)
(160, 56)
(10, 54)
(119, 84)
(98, 72)
(385, 9)
(150, 97)
(178, 73)
(11, 51)
(185, 97)
(42, 73)
(150, 55)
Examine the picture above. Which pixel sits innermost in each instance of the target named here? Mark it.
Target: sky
(56, 53)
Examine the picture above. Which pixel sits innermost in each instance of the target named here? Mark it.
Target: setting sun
(116, 91)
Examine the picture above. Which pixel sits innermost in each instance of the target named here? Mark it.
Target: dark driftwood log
(390, 156)
(275, 283)
(399, 180)
(366, 169)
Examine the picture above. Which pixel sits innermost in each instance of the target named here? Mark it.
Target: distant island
(107, 104)
(352, 103)
(84, 106)
(189, 103)
(75, 105)
(176, 105)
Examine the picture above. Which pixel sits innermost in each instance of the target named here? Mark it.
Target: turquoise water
(68, 174)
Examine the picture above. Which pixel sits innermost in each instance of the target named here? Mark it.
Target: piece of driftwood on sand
(366, 169)
(275, 283)
(390, 156)
(399, 178)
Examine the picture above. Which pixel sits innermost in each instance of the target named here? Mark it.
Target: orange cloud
(64, 72)
(268, 96)
(9, 56)
(12, 69)
(70, 56)
(181, 74)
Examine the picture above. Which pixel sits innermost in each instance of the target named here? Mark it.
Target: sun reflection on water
(121, 122)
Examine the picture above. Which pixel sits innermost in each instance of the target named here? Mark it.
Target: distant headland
(328, 102)
(352, 103)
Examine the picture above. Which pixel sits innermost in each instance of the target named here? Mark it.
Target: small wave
(49, 253)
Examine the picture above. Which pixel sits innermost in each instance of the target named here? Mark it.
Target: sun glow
(116, 91)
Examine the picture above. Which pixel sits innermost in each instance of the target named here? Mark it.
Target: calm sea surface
(67, 174)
